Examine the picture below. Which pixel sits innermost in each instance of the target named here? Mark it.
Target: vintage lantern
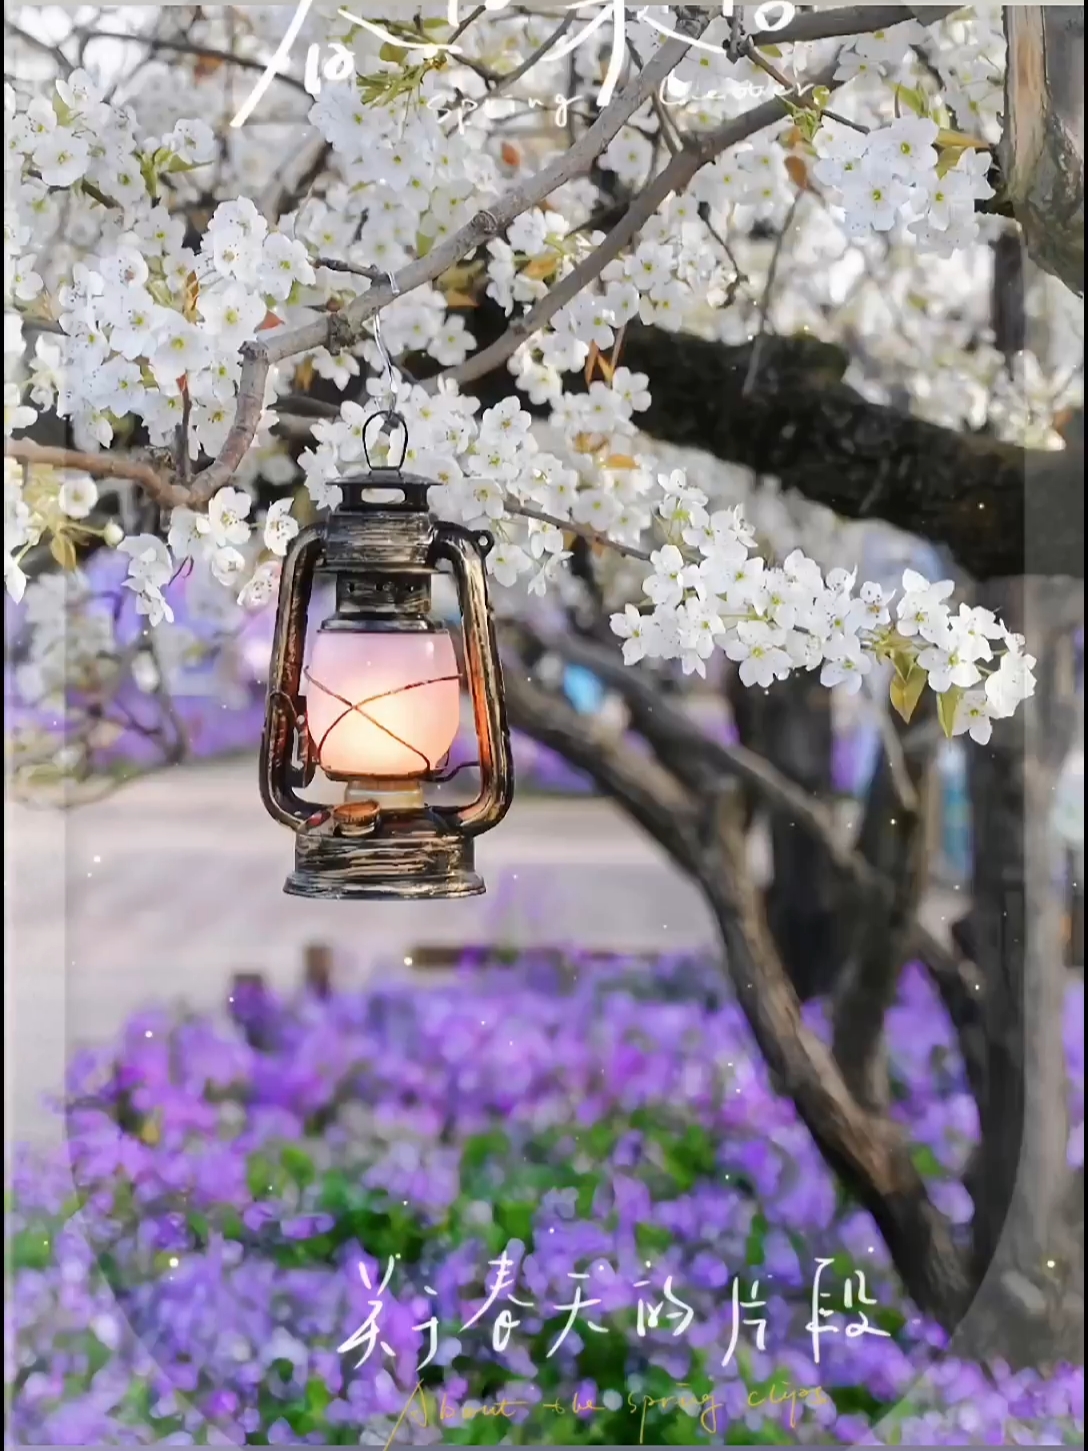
(376, 704)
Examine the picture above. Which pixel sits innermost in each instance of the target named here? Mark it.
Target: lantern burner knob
(356, 818)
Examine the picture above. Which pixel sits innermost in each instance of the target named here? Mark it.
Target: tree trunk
(1042, 150)
(790, 726)
(1027, 1246)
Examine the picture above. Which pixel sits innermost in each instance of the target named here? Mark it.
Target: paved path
(167, 888)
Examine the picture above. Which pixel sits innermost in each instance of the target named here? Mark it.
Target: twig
(339, 330)
(740, 277)
(750, 51)
(765, 300)
(584, 531)
(307, 161)
(897, 760)
(669, 133)
(100, 466)
(182, 461)
(541, 51)
(373, 274)
(457, 34)
(201, 52)
(53, 51)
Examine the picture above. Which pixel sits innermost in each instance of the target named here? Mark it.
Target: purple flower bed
(188, 1274)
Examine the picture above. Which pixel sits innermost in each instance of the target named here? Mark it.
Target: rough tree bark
(805, 427)
(791, 727)
(1028, 1243)
(880, 934)
(1042, 150)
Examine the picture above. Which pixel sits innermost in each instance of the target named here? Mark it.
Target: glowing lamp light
(412, 688)
(376, 702)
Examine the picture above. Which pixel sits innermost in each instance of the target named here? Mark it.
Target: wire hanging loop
(389, 419)
(383, 351)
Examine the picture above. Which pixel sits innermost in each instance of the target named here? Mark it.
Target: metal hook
(379, 343)
(390, 418)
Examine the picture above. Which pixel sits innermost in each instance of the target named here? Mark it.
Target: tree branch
(583, 531)
(696, 759)
(100, 466)
(1000, 509)
(832, 23)
(340, 330)
(648, 792)
(674, 178)
(866, 1150)
(1041, 155)
(201, 52)
(892, 841)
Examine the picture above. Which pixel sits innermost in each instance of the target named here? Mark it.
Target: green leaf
(914, 100)
(31, 1249)
(63, 551)
(691, 1157)
(652, 1239)
(515, 1219)
(298, 1164)
(905, 693)
(260, 1176)
(754, 1250)
(820, 97)
(149, 174)
(947, 705)
(926, 1162)
(773, 51)
(198, 1227)
(164, 297)
(948, 159)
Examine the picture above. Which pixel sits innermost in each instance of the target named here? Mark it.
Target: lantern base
(402, 861)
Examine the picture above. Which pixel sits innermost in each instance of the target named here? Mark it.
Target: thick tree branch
(652, 796)
(700, 763)
(892, 841)
(868, 1151)
(1000, 509)
(833, 22)
(959, 983)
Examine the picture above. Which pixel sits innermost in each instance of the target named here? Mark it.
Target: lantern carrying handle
(390, 418)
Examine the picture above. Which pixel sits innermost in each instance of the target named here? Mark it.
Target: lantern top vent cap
(409, 491)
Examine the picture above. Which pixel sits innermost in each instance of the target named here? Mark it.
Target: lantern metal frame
(383, 558)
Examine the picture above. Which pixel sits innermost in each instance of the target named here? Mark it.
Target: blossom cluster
(877, 177)
(718, 594)
(244, 1175)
